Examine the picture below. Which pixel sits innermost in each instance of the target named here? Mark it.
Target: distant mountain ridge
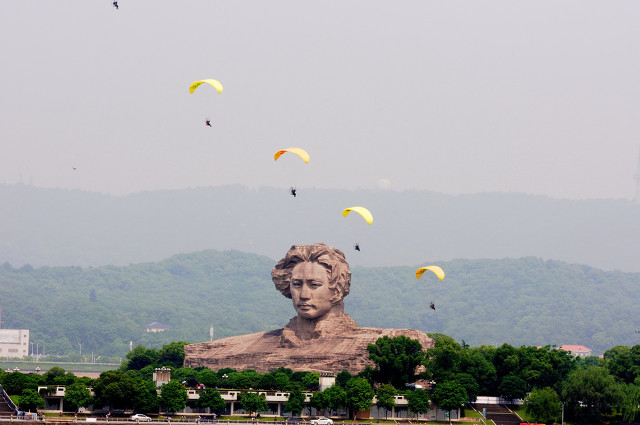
(66, 227)
(526, 301)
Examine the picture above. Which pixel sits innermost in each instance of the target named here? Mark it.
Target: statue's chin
(308, 316)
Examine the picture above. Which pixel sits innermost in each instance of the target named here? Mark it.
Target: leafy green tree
(145, 395)
(173, 396)
(15, 383)
(253, 402)
(140, 357)
(359, 394)
(512, 387)
(543, 405)
(343, 377)
(77, 395)
(310, 380)
(172, 354)
(385, 396)
(442, 358)
(396, 359)
(267, 382)
(449, 395)
(590, 394)
(418, 401)
(629, 403)
(209, 378)
(245, 379)
(211, 398)
(623, 362)
(545, 366)
(335, 397)
(225, 371)
(506, 361)
(319, 401)
(52, 374)
(31, 400)
(469, 383)
(66, 379)
(471, 361)
(282, 380)
(295, 402)
(185, 374)
(114, 388)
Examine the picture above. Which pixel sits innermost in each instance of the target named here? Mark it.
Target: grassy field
(523, 414)
(31, 366)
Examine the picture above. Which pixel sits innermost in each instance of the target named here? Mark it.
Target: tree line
(589, 390)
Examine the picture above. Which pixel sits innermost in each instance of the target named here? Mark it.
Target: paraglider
(298, 151)
(435, 269)
(365, 213)
(215, 83)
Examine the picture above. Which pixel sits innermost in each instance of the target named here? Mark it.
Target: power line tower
(637, 179)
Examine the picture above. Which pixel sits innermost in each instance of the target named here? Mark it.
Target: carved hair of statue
(332, 259)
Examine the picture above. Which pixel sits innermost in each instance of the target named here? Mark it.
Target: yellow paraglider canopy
(435, 269)
(214, 83)
(300, 152)
(365, 213)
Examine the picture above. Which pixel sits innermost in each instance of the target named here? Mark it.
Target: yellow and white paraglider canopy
(215, 83)
(298, 151)
(365, 213)
(435, 269)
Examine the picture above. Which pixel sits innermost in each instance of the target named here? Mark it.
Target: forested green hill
(524, 301)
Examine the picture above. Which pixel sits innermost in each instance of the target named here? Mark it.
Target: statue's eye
(296, 283)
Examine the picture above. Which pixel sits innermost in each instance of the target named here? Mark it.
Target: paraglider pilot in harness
(357, 246)
(208, 122)
(115, 4)
(292, 190)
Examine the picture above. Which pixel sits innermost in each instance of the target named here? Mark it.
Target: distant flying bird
(74, 168)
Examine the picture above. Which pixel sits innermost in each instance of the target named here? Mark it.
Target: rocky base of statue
(337, 344)
(321, 338)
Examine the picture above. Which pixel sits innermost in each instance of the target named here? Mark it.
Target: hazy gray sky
(537, 97)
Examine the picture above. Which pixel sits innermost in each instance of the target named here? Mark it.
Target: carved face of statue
(310, 290)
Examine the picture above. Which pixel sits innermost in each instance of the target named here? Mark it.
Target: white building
(577, 350)
(14, 342)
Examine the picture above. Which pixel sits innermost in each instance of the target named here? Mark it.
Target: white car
(321, 421)
(139, 417)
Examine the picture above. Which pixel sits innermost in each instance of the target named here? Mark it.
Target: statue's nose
(305, 291)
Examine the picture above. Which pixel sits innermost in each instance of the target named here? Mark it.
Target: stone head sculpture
(316, 277)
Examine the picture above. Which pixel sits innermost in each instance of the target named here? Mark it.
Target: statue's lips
(305, 306)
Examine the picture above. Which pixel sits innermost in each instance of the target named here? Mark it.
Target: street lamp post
(563, 413)
(32, 349)
(80, 349)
